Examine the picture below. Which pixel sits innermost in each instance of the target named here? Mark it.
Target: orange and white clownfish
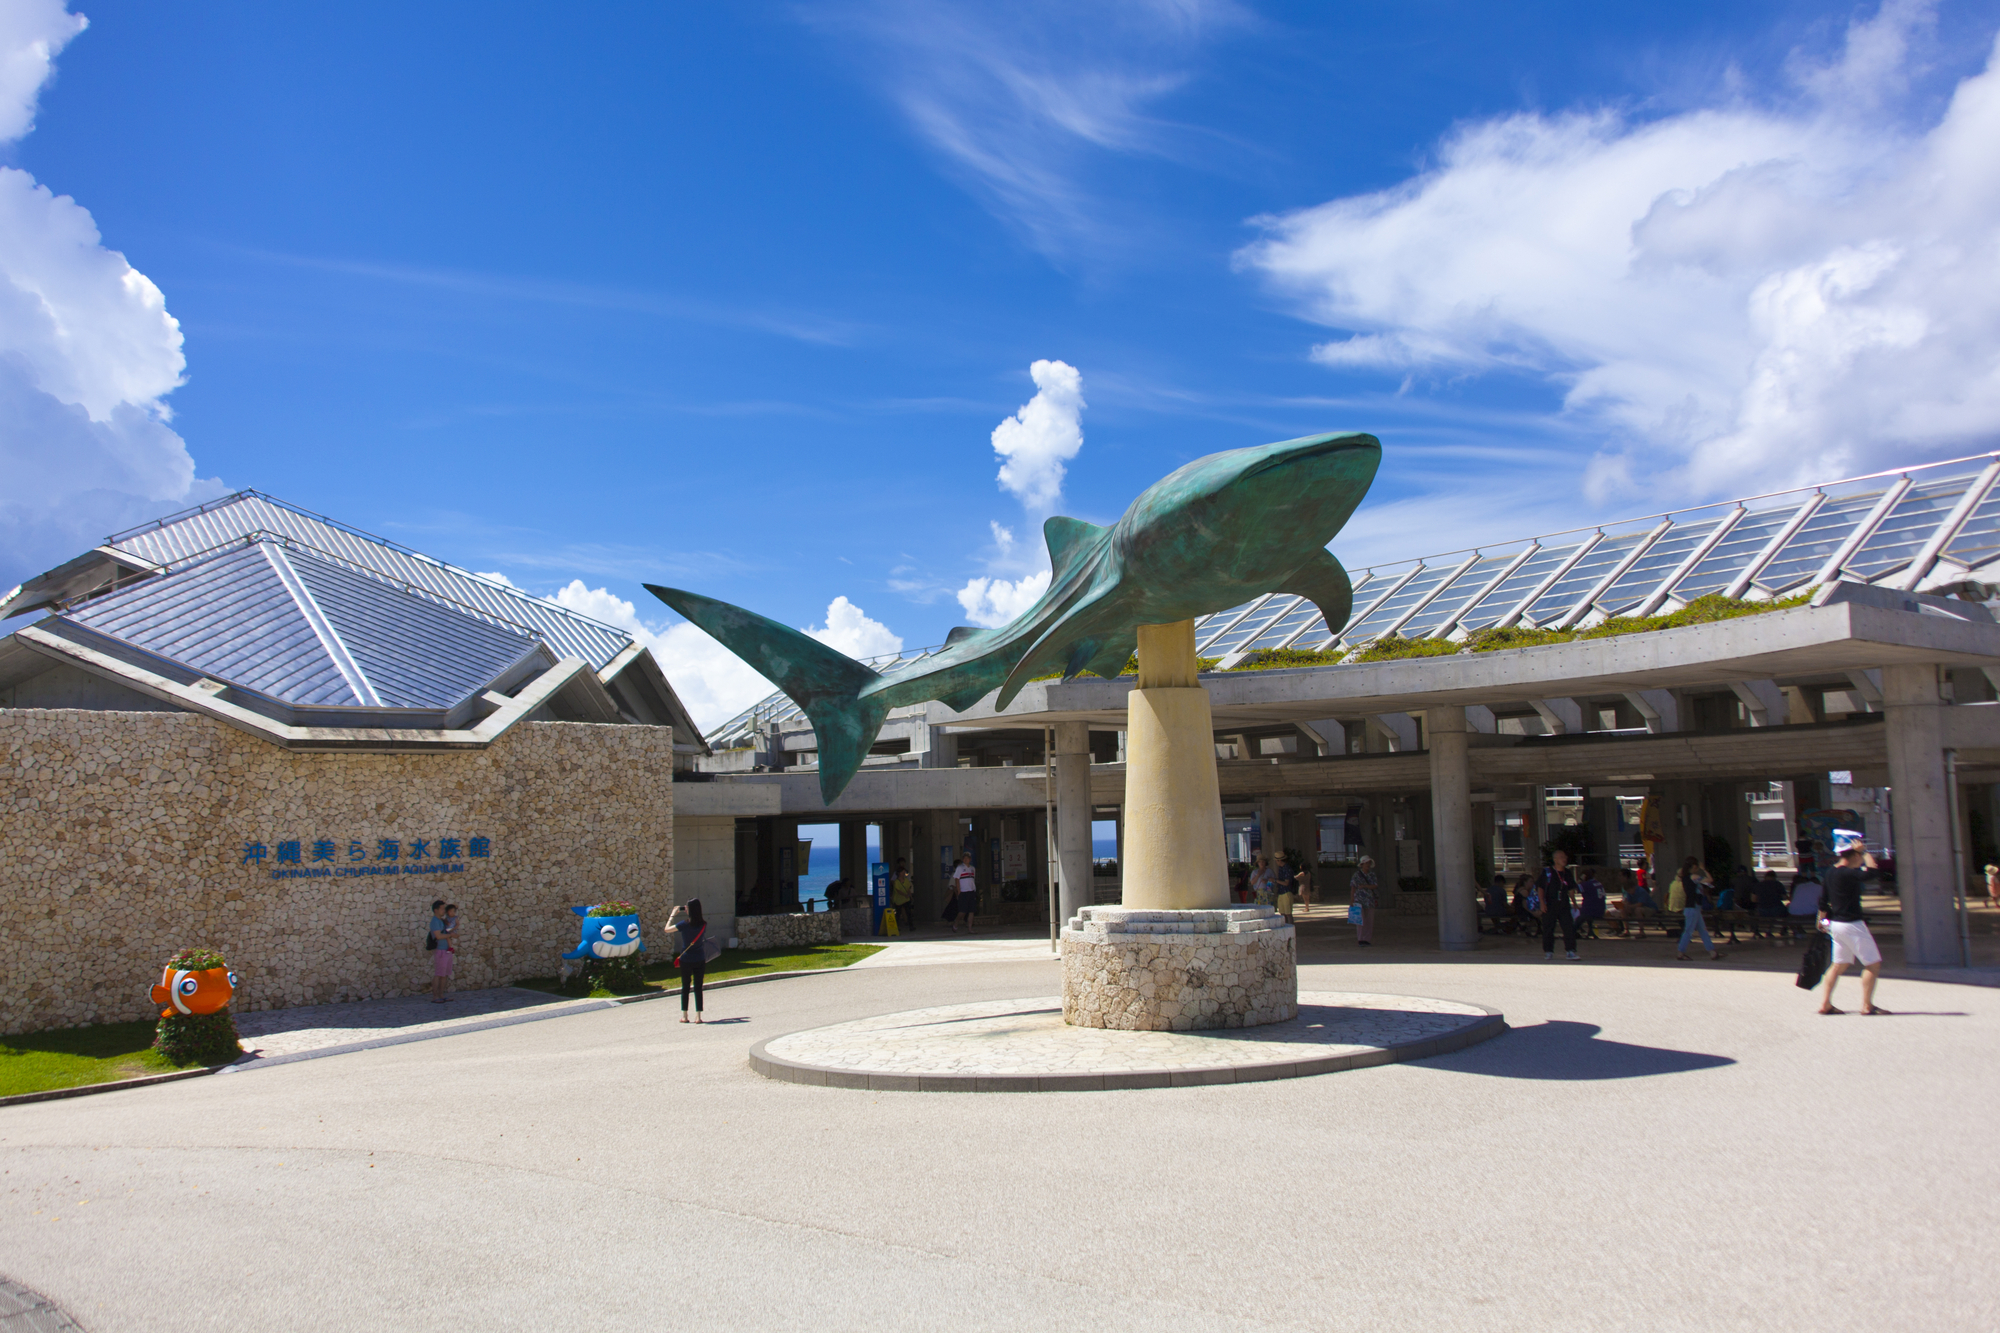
(203, 992)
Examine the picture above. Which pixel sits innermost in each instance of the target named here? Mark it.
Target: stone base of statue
(1154, 970)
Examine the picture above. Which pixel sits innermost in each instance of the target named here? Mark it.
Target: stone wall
(787, 930)
(1163, 970)
(125, 836)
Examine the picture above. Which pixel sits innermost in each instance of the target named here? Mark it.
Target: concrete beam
(1764, 701)
(1563, 717)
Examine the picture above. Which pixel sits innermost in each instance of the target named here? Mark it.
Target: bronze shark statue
(1210, 535)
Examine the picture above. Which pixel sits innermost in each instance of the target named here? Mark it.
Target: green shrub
(1701, 611)
(620, 976)
(618, 907)
(1275, 659)
(1131, 668)
(196, 960)
(198, 1039)
(1392, 647)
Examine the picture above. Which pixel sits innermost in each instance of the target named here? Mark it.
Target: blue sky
(734, 297)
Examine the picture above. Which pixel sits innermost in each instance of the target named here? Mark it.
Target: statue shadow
(1570, 1051)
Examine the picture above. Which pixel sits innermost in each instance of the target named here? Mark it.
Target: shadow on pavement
(1562, 1050)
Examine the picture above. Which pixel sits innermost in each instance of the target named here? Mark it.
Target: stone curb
(251, 1062)
(792, 1071)
(85, 1089)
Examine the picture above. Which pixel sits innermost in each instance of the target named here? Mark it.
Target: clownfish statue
(606, 936)
(205, 992)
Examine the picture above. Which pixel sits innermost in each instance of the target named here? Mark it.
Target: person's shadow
(1564, 1050)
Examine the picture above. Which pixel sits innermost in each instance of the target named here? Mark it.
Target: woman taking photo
(690, 953)
(1362, 886)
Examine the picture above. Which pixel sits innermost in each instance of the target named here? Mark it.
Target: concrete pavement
(1657, 1146)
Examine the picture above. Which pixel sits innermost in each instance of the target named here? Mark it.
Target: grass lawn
(72, 1057)
(737, 963)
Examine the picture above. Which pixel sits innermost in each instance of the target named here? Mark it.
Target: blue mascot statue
(610, 930)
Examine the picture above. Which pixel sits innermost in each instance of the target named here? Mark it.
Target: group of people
(1564, 899)
(1273, 882)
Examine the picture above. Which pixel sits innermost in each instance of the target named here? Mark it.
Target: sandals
(1831, 1010)
(1876, 1009)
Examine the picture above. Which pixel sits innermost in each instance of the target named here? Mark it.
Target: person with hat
(1841, 918)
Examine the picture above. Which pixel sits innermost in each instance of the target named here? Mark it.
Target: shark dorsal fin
(959, 635)
(1066, 537)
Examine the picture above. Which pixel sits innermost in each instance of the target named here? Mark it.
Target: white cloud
(713, 682)
(849, 630)
(1732, 298)
(993, 602)
(1033, 445)
(1023, 99)
(88, 352)
(1038, 440)
(31, 33)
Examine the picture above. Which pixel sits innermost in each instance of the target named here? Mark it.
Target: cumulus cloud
(1038, 440)
(88, 352)
(993, 602)
(1033, 446)
(1732, 297)
(713, 682)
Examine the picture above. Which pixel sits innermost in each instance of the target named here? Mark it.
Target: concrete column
(1173, 802)
(1683, 839)
(1451, 828)
(1921, 813)
(1073, 815)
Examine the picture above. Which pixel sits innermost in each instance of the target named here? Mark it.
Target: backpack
(430, 941)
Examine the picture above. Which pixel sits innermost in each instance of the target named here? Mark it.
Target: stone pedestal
(1158, 970)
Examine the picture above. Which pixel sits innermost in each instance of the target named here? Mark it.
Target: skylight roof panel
(1819, 538)
(1661, 559)
(1582, 577)
(1399, 602)
(1906, 528)
(1454, 596)
(1978, 539)
(1284, 627)
(1720, 566)
(1516, 586)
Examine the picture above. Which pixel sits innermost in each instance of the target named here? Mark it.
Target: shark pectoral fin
(1112, 657)
(1081, 655)
(1325, 584)
(1067, 538)
(827, 684)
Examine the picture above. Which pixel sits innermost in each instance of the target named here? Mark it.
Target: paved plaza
(1689, 1143)
(1025, 1046)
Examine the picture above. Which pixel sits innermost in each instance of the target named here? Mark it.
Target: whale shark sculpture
(1212, 534)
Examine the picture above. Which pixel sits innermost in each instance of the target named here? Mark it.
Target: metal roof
(194, 533)
(1913, 529)
(304, 630)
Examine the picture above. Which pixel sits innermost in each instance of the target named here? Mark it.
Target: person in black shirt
(1557, 887)
(1841, 918)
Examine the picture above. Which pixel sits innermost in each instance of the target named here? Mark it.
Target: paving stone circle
(1024, 1046)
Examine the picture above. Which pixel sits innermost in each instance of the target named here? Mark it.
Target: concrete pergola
(1919, 661)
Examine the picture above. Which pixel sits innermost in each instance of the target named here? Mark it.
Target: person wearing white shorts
(1841, 918)
(1852, 943)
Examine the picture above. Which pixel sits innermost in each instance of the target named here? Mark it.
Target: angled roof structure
(298, 622)
(1918, 529)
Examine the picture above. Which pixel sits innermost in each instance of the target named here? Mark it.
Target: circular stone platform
(1024, 1046)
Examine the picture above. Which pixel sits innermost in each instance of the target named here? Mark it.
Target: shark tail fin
(826, 683)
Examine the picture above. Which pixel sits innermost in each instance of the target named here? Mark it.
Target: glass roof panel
(1252, 625)
(1386, 614)
(1719, 568)
(1215, 620)
(1978, 538)
(1662, 558)
(1282, 629)
(1516, 586)
(1908, 526)
(1582, 577)
(1819, 538)
(1461, 590)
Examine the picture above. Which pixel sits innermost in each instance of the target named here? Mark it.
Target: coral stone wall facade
(126, 836)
